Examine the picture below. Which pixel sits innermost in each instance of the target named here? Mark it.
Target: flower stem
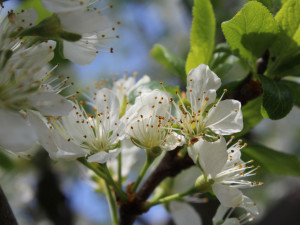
(117, 188)
(98, 172)
(105, 175)
(149, 160)
(120, 169)
(112, 205)
(169, 198)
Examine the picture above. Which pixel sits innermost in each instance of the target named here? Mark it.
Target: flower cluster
(98, 131)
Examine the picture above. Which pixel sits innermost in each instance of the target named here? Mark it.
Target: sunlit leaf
(286, 49)
(202, 35)
(251, 31)
(169, 60)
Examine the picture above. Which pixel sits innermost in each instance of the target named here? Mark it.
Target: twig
(171, 165)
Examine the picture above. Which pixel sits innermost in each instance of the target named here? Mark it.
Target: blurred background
(43, 192)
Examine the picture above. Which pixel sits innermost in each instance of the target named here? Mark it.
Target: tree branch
(170, 166)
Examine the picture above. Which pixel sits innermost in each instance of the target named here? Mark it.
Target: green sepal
(202, 185)
(49, 28)
(154, 152)
(213, 136)
(68, 36)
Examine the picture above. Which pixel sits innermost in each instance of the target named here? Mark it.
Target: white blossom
(196, 120)
(12, 24)
(148, 123)
(21, 88)
(225, 170)
(223, 216)
(77, 19)
(52, 140)
(96, 135)
(122, 87)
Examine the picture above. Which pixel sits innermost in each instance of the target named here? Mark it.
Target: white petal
(77, 130)
(121, 87)
(47, 140)
(172, 141)
(118, 132)
(83, 21)
(50, 104)
(226, 118)
(212, 156)
(221, 212)
(103, 157)
(108, 104)
(249, 205)
(58, 6)
(26, 18)
(149, 104)
(43, 132)
(231, 221)
(145, 79)
(67, 146)
(15, 132)
(228, 196)
(60, 154)
(79, 52)
(202, 80)
(32, 59)
(186, 179)
(184, 214)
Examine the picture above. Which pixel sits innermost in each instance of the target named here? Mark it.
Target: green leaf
(202, 35)
(222, 60)
(287, 57)
(151, 86)
(251, 115)
(272, 161)
(278, 98)
(270, 4)
(251, 31)
(295, 87)
(288, 18)
(169, 60)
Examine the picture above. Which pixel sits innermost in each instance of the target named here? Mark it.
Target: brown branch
(171, 165)
(6, 215)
